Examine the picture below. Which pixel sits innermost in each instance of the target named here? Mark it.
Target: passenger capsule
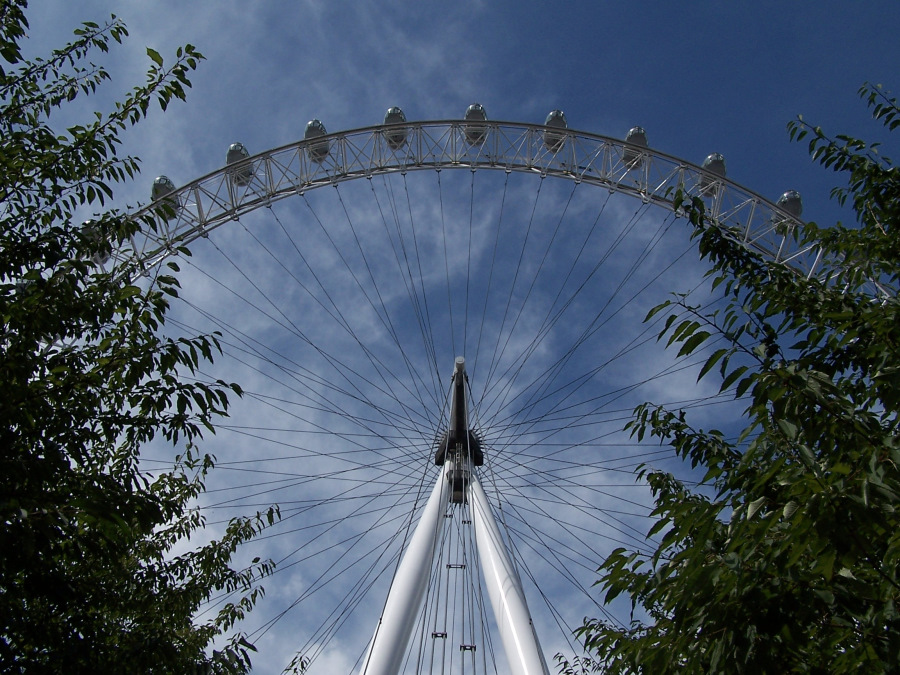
(714, 168)
(95, 241)
(395, 138)
(791, 203)
(317, 152)
(554, 140)
(237, 154)
(163, 187)
(475, 133)
(632, 156)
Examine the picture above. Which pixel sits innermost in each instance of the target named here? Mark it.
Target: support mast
(458, 454)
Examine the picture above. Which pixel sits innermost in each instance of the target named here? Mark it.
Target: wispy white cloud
(561, 462)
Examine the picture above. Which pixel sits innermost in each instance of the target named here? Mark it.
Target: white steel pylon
(459, 454)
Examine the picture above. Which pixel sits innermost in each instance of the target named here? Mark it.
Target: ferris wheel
(439, 328)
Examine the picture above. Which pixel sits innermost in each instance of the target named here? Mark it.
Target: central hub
(460, 442)
(460, 447)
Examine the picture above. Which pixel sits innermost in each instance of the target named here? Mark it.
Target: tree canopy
(784, 559)
(88, 577)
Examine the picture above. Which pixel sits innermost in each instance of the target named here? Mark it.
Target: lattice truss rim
(647, 174)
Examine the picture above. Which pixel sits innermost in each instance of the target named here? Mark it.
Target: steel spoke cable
(539, 477)
(510, 428)
(550, 555)
(317, 401)
(327, 632)
(350, 600)
(388, 466)
(496, 357)
(419, 299)
(361, 511)
(248, 345)
(638, 341)
(534, 278)
(547, 323)
(521, 455)
(279, 568)
(598, 325)
(393, 442)
(516, 428)
(553, 371)
(520, 562)
(587, 509)
(628, 226)
(367, 423)
(359, 284)
(567, 631)
(611, 464)
(446, 260)
(350, 493)
(469, 263)
(347, 456)
(490, 279)
(322, 582)
(364, 398)
(405, 273)
(647, 515)
(305, 452)
(293, 483)
(526, 457)
(332, 573)
(568, 413)
(332, 407)
(300, 507)
(516, 414)
(511, 470)
(550, 374)
(340, 367)
(588, 469)
(515, 490)
(554, 558)
(564, 554)
(339, 316)
(386, 321)
(540, 383)
(669, 370)
(522, 479)
(429, 332)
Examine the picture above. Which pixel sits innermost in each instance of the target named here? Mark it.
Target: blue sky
(699, 77)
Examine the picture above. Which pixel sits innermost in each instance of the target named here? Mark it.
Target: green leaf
(711, 361)
(154, 56)
(825, 595)
(789, 510)
(818, 438)
(693, 342)
(108, 571)
(755, 506)
(788, 428)
(657, 309)
(732, 376)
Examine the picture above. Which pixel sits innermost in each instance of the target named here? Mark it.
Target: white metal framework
(457, 498)
(647, 174)
(457, 482)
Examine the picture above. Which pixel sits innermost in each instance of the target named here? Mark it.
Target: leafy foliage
(88, 577)
(785, 558)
